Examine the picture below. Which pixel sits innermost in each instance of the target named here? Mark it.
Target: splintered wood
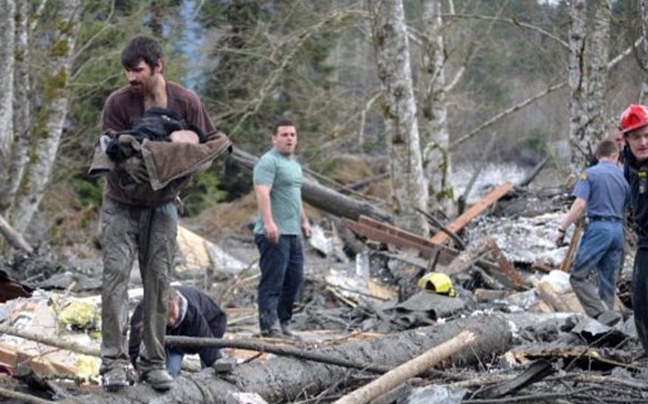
(388, 234)
(474, 211)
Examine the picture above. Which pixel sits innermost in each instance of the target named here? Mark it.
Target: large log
(321, 197)
(406, 371)
(285, 379)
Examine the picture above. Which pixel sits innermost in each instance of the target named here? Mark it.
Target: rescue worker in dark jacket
(191, 314)
(604, 193)
(634, 125)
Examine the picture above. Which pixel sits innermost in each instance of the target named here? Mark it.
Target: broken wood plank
(436, 223)
(474, 211)
(14, 357)
(406, 235)
(535, 372)
(386, 233)
(587, 357)
(505, 265)
(542, 267)
(409, 369)
(466, 259)
(547, 293)
(565, 266)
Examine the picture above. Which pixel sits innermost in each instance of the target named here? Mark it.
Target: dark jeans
(282, 274)
(174, 361)
(640, 295)
(601, 249)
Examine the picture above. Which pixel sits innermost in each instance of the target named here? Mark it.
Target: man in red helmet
(634, 126)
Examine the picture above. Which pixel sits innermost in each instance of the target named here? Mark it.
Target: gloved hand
(560, 239)
(135, 167)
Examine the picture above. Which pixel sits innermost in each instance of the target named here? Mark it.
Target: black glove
(560, 239)
(135, 167)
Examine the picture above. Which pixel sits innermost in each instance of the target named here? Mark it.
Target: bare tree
(598, 47)
(577, 76)
(409, 187)
(22, 112)
(588, 68)
(7, 61)
(434, 125)
(643, 96)
(54, 109)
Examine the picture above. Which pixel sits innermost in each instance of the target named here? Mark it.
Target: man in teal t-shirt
(278, 231)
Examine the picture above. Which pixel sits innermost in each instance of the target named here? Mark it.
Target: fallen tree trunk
(406, 371)
(321, 197)
(285, 379)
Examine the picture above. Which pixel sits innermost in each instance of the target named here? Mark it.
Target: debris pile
(393, 313)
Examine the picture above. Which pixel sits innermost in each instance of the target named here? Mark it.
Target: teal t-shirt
(284, 175)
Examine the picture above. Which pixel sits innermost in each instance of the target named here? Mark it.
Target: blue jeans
(174, 362)
(601, 248)
(282, 274)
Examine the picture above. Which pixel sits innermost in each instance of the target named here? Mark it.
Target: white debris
(523, 239)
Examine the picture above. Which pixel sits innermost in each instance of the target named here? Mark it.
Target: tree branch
(14, 238)
(506, 112)
(510, 21)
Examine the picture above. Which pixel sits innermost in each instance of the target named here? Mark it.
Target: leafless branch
(506, 112)
(104, 28)
(511, 21)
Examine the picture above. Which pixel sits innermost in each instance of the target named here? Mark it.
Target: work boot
(288, 331)
(114, 379)
(272, 332)
(159, 379)
(609, 318)
(268, 324)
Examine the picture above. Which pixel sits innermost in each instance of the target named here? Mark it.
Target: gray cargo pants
(149, 232)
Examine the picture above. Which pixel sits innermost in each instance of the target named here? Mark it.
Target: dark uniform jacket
(637, 175)
(203, 318)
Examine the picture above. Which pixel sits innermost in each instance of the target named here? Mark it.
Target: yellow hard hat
(437, 282)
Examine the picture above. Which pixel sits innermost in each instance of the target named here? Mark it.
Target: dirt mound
(347, 169)
(226, 218)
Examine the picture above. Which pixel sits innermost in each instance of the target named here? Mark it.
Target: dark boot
(288, 331)
(268, 324)
(159, 379)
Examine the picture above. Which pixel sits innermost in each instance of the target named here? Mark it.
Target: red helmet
(634, 117)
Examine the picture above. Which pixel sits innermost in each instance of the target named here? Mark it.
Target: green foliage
(247, 70)
(89, 191)
(202, 192)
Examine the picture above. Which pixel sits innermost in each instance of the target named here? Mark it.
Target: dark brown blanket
(167, 161)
